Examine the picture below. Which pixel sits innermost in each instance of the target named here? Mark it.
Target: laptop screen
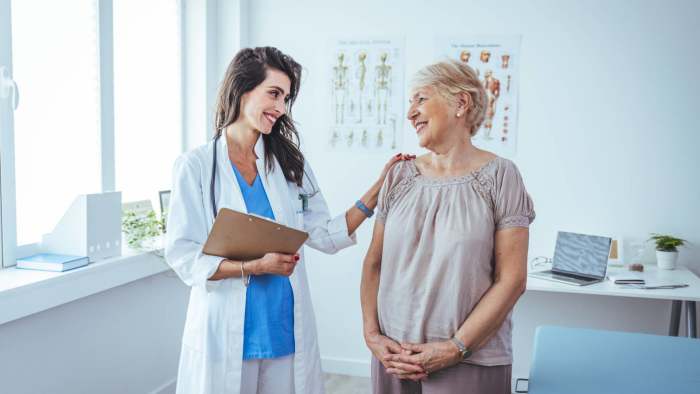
(581, 254)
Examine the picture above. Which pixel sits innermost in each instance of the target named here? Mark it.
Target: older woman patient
(447, 261)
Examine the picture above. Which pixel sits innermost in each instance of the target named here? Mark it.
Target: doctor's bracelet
(362, 207)
(244, 277)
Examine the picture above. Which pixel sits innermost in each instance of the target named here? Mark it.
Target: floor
(344, 384)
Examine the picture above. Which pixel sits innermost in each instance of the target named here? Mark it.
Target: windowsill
(25, 292)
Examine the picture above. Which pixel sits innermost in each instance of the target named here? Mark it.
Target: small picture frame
(616, 257)
(164, 197)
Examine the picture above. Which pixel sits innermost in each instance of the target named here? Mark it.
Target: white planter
(666, 260)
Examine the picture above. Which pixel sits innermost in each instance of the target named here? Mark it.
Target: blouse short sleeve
(394, 181)
(513, 205)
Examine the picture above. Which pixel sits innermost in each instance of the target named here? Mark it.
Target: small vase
(666, 260)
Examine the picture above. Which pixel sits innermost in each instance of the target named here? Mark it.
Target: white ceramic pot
(666, 260)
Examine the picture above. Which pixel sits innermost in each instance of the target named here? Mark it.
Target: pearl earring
(459, 114)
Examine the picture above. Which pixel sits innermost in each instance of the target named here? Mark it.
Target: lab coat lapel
(229, 192)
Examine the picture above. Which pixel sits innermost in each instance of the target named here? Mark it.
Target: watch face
(466, 353)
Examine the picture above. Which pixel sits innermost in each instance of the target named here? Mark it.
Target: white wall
(608, 137)
(124, 340)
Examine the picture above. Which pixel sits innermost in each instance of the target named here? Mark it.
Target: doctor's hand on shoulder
(394, 159)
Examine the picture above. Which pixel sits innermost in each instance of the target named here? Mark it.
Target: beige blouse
(438, 257)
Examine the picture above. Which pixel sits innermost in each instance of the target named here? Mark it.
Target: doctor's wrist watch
(464, 351)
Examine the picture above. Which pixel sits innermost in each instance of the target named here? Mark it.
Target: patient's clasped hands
(412, 361)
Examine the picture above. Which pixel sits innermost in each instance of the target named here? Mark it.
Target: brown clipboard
(239, 236)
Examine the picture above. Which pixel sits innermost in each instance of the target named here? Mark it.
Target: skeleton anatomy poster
(366, 85)
(496, 60)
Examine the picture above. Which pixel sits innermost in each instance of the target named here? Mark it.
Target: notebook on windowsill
(52, 262)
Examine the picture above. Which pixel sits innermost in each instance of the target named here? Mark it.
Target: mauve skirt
(461, 378)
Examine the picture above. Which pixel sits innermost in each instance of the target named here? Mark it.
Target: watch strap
(463, 350)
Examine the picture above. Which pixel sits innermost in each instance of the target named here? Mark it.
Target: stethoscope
(304, 197)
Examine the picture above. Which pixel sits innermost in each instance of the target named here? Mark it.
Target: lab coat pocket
(195, 324)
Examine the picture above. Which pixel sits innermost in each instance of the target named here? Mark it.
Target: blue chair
(584, 361)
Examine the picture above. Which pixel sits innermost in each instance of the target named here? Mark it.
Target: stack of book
(52, 262)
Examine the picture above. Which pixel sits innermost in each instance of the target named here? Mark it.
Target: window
(62, 140)
(148, 122)
(56, 128)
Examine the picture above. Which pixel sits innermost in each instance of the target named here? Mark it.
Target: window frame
(8, 220)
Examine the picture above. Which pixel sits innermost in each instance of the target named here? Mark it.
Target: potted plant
(666, 250)
(141, 230)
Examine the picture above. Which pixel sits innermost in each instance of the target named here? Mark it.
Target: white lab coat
(212, 343)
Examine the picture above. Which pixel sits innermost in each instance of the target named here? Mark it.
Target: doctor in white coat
(234, 342)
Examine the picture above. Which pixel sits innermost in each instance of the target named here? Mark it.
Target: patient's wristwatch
(463, 350)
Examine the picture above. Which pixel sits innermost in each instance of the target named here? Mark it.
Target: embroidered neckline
(483, 184)
(451, 180)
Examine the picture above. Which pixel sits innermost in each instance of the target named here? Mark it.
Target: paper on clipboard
(240, 236)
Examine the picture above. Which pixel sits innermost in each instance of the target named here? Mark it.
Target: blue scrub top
(269, 309)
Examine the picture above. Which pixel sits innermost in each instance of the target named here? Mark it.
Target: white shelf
(25, 292)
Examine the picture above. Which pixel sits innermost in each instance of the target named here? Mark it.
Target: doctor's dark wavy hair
(247, 70)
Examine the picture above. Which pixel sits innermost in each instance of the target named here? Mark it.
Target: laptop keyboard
(569, 278)
(565, 278)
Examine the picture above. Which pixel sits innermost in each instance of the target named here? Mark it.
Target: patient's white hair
(449, 78)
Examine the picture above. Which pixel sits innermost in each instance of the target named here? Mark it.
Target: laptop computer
(579, 259)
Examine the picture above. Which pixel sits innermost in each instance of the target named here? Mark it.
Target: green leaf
(138, 229)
